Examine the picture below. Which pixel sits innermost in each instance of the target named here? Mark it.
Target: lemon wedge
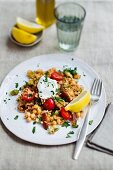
(79, 103)
(22, 36)
(28, 26)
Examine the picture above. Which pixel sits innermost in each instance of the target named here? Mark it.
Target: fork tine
(93, 86)
(97, 89)
(100, 88)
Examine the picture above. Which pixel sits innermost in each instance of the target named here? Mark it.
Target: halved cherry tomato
(65, 114)
(49, 104)
(57, 76)
(28, 95)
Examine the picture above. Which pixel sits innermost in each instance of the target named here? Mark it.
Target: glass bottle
(45, 12)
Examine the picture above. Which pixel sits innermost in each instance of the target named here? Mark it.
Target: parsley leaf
(68, 136)
(66, 124)
(70, 133)
(90, 122)
(71, 71)
(58, 99)
(16, 117)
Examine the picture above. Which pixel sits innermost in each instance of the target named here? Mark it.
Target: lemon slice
(28, 26)
(22, 36)
(78, 104)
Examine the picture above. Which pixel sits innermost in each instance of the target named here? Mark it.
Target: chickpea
(78, 115)
(28, 119)
(33, 116)
(54, 122)
(51, 118)
(30, 73)
(76, 76)
(55, 117)
(27, 114)
(34, 111)
(58, 121)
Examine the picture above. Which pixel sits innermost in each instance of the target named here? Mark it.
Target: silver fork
(95, 96)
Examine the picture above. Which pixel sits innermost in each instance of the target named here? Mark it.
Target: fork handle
(82, 136)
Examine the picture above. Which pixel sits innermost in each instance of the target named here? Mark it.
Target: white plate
(20, 127)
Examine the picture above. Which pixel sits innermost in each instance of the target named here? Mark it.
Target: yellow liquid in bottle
(45, 12)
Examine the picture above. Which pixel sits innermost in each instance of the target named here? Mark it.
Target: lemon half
(79, 103)
(28, 26)
(22, 36)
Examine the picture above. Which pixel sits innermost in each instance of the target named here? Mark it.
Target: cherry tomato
(65, 114)
(49, 104)
(28, 95)
(57, 76)
(44, 120)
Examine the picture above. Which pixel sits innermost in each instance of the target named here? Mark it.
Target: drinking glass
(69, 21)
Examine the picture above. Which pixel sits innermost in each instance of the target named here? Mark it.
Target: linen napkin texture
(102, 138)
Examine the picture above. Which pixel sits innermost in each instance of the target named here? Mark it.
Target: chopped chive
(71, 133)
(34, 129)
(34, 122)
(90, 122)
(16, 117)
(16, 85)
(68, 136)
(53, 92)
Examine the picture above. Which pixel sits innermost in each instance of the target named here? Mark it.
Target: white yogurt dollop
(47, 87)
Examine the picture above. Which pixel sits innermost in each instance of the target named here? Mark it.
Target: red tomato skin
(49, 104)
(25, 95)
(57, 76)
(28, 99)
(65, 114)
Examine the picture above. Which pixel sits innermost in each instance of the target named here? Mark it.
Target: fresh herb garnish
(16, 117)
(34, 122)
(30, 95)
(75, 126)
(16, 85)
(68, 136)
(84, 74)
(90, 122)
(58, 99)
(52, 85)
(34, 129)
(71, 71)
(52, 92)
(66, 124)
(54, 112)
(58, 90)
(70, 133)
(46, 76)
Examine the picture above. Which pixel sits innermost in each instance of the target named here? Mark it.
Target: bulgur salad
(44, 96)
